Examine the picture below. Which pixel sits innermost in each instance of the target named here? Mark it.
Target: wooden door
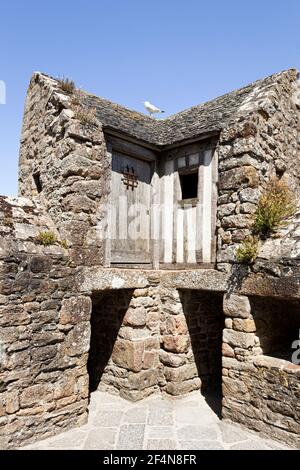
(130, 209)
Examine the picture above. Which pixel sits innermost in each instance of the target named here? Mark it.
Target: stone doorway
(108, 311)
(203, 311)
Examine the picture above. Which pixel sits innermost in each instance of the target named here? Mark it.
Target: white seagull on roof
(151, 108)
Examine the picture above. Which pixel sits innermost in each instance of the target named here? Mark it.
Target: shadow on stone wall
(205, 322)
(277, 325)
(108, 310)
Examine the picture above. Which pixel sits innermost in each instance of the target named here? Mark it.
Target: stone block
(180, 374)
(77, 341)
(238, 339)
(176, 344)
(247, 208)
(128, 354)
(75, 310)
(64, 387)
(246, 325)
(140, 293)
(13, 316)
(235, 388)
(176, 325)
(143, 379)
(135, 317)
(19, 360)
(236, 306)
(43, 354)
(249, 195)
(239, 177)
(226, 209)
(136, 395)
(78, 203)
(45, 337)
(12, 402)
(170, 359)
(150, 359)
(40, 264)
(242, 221)
(227, 350)
(35, 395)
(181, 388)
(152, 343)
(133, 333)
(8, 335)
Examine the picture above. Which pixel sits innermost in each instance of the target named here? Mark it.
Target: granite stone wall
(261, 391)
(143, 332)
(155, 339)
(124, 354)
(191, 328)
(262, 140)
(44, 331)
(64, 165)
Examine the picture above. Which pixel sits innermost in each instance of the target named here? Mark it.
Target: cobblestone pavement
(156, 423)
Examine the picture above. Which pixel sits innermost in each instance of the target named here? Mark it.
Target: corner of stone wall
(258, 391)
(69, 159)
(261, 140)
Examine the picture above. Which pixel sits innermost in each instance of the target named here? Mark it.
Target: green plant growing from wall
(276, 205)
(64, 244)
(46, 238)
(247, 251)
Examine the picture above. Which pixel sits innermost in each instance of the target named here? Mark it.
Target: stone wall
(150, 332)
(191, 328)
(261, 141)
(64, 165)
(260, 392)
(152, 339)
(44, 331)
(124, 356)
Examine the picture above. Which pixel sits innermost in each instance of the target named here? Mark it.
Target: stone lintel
(98, 278)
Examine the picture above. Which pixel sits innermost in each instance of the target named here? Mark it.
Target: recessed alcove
(277, 325)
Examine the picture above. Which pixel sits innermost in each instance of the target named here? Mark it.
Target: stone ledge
(98, 278)
(274, 362)
(267, 286)
(199, 279)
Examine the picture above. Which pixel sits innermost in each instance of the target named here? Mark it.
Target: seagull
(151, 108)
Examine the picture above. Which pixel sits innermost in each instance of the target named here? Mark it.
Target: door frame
(116, 144)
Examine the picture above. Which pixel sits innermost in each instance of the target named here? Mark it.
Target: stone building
(118, 259)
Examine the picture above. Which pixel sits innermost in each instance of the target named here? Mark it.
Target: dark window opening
(189, 185)
(37, 182)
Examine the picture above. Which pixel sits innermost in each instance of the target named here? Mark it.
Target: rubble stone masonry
(69, 324)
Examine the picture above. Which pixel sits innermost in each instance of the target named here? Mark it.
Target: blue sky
(175, 53)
